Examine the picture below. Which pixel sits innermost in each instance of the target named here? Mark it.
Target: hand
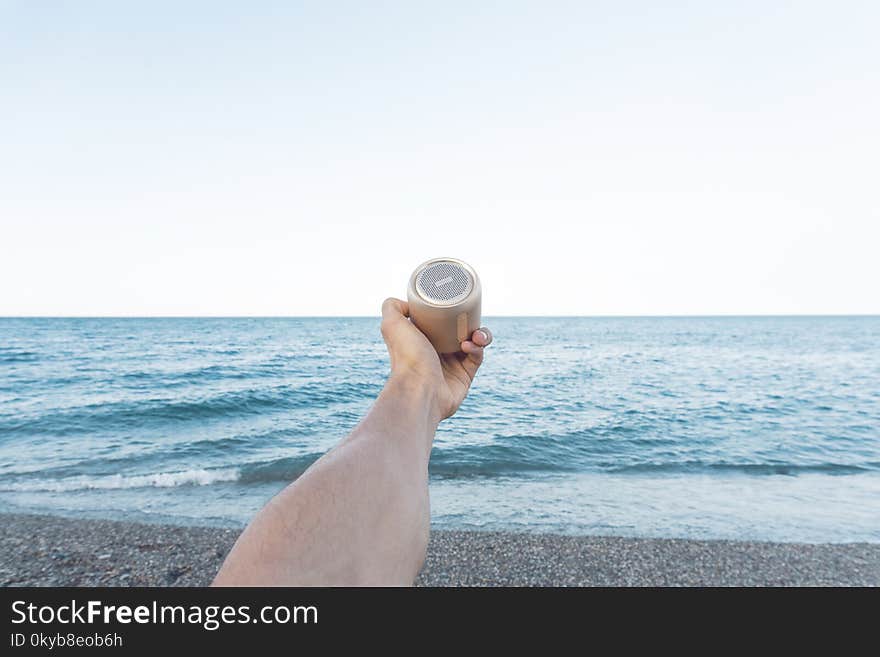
(448, 376)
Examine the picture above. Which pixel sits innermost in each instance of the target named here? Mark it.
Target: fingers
(394, 308)
(473, 350)
(471, 359)
(482, 337)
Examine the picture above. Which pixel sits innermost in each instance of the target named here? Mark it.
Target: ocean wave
(208, 373)
(15, 356)
(519, 456)
(613, 451)
(445, 464)
(234, 403)
(590, 448)
(276, 470)
(119, 481)
(746, 468)
(282, 469)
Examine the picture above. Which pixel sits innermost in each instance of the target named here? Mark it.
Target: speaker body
(444, 296)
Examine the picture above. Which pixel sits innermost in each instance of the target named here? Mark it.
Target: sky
(586, 158)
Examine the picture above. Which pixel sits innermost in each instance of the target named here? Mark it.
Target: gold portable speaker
(444, 298)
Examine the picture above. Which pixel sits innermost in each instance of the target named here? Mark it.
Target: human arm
(360, 514)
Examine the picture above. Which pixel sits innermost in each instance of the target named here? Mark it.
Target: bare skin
(360, 514)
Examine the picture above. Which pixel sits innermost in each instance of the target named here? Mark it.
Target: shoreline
(42, 550)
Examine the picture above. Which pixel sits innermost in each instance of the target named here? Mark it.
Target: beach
(38, 550)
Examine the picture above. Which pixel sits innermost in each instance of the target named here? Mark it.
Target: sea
(759, 428)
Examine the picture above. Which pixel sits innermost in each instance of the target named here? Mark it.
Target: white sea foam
(109, 482)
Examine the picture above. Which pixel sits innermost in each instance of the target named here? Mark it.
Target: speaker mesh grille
(444, 283)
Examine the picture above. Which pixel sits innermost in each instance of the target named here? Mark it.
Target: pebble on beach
(52, 551)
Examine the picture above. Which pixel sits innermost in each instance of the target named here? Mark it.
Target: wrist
(416, 391)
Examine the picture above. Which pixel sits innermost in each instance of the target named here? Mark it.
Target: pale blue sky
(302, 158)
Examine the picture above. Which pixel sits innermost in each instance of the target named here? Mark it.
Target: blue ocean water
(758, 428)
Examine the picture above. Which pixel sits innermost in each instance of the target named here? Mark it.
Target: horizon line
(563, 316)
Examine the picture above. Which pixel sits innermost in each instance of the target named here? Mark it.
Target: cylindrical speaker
(444, 298)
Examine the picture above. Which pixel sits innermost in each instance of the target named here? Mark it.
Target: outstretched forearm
(360, 515)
